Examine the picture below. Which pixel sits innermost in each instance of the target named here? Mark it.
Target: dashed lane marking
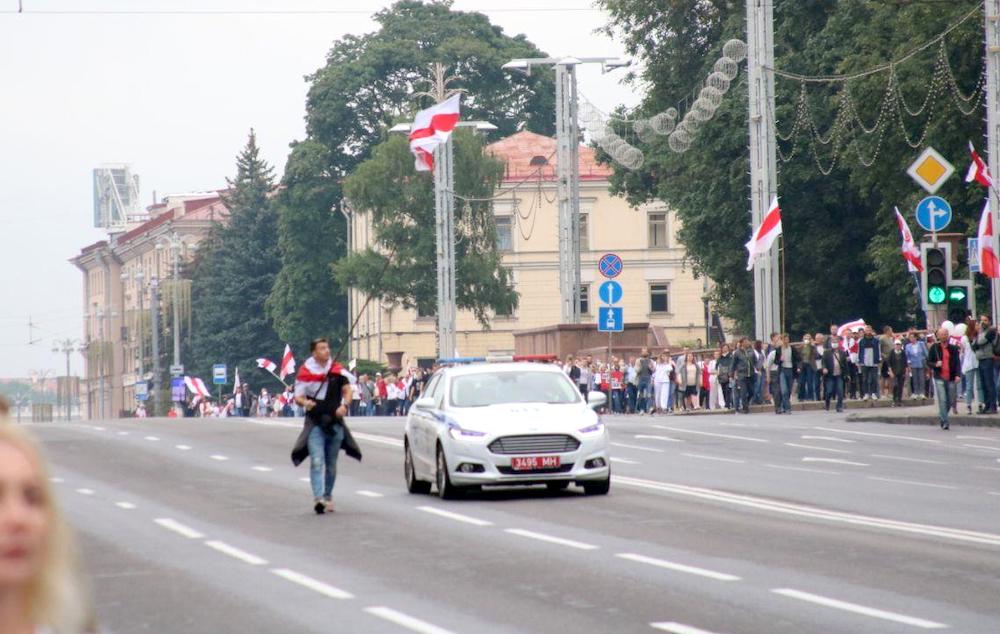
(152, 438)
(637, 447)
(905, 459)
(678, 628)
(177, 527)
(218, 457)
(829, 438)
(85, 491)
(815, 448)
(458, 517)
(875, 435)
(263, 469)
(713, 434)
(542, 537)
(986, 438)
(123, 433)
(312, 584)
(369, 494)
(885, 615)
(984, 447)
(377, 438)
(835, 461)
(405, 620)
(914, 483)
(128, 506)
(716, 458)
(670, 565)
(624, 461)
(183, 447)
(661, 438)
(236, 553)
(804, 469)
(56, 480)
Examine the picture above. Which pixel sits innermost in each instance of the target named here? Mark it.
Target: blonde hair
(58, 597)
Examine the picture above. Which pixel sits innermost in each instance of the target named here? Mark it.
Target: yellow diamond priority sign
(931, 170)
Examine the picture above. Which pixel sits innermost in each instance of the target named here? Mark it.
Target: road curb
(962, 420)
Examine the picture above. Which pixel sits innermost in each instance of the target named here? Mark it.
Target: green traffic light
(957, 294)
(936, 295)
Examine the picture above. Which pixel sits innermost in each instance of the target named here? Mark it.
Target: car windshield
(480, 390)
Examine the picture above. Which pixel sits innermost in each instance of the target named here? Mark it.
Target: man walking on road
(943, 358)
(323, 389)
(985, 345)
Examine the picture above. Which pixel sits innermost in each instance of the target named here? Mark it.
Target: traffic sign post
(610, 319)
(972, 245)
(933, 214)
(930, 170)
(176, 370)
(610, 265)
(219, 374)
(610, 292)
(141, 390)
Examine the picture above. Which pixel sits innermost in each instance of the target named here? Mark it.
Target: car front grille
(566, 468)
(534, 444)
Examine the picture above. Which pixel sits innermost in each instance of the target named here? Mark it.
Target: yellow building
(659, 287)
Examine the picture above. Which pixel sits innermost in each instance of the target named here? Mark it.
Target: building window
(505, 237)
(507, 311)
(584, 299)
(584, 232)
(657, 230)
(426, 311)
(659, 297)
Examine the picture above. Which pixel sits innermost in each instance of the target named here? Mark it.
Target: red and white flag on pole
(766, 234)
(197, 386)
(911, 253)
(432, 127)
(266, 364)
(236, 381)
(287, 363)
(978, 171)
(850, 326)
(989, 265)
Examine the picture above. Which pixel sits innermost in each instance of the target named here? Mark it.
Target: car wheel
(413, 485)
(557, 486)
(601, 487)
(445, 489)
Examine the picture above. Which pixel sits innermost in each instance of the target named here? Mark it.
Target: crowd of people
(955, 363)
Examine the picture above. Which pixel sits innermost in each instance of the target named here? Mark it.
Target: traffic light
(960, 301)
(936, 275)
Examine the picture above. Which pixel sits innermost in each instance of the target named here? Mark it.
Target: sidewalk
(923, 415)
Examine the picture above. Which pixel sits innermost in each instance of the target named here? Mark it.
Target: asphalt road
(737, 524)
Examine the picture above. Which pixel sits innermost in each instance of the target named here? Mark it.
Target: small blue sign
(177, 389)
(610, 265)
(610, 319)
(933, 213)
(219, 374)
(610, 292)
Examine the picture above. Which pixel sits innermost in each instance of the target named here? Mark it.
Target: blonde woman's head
(38, 563)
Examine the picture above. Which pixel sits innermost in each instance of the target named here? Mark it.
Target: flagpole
(781, 254)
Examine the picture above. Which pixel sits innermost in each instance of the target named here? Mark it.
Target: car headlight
(596, 427)
(458, 432)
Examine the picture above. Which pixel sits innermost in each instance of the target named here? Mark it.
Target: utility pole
(993, 124)
(176, 244)
(154, 309)
(567, 170)
(763, 160)
(67, 347)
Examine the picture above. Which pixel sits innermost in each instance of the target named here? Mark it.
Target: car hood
(522, 418)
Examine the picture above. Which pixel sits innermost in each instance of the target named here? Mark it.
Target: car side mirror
(596, 399)
(425, 402)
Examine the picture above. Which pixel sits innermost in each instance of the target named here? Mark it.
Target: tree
(368, 84)
(401, 269)
(839, 230)
(233, 273)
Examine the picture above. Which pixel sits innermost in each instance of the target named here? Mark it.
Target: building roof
(531, 155)
(146, 226)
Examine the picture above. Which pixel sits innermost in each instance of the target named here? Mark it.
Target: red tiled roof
(146, 226)
(93, 247)
(519, 149)
(198, 203)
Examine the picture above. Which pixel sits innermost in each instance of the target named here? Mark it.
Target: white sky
(174, 96)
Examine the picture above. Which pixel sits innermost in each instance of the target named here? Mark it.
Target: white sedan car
(505, 424)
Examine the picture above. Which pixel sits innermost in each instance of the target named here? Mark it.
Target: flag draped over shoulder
(989, 265)
(910, 251)
(765, 235)
(431, 128)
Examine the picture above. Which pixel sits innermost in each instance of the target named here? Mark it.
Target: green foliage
(401, 269)
(232, 275)
(843, 258)
(367, 366)
(368, 84)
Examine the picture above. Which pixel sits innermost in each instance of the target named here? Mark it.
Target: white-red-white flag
(850, 326)
(236, 381)
(432, 127)
(287, 363)
(196, 386)
(766, 234)
(989, 265)
(266, 364)
(911, 253)
(978, 171)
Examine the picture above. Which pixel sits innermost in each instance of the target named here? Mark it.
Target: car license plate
(531, 463)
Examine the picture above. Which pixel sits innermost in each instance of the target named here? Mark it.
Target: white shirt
(662, 372)
(969, 360)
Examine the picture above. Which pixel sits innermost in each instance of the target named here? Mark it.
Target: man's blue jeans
(988, 381)
(323, 451)
(642, 396)
(945, 393)
(808, 382)
(787, 379)
(835, 388)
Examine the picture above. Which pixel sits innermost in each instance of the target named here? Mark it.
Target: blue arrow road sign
(610, 265)
(610, 319)
(610, 292)
(933, 213)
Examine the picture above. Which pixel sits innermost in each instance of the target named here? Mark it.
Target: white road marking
(663, 438)
(458, 517)
(993, 493)
(982, 447)
(872, 434)
(304, 480)
(405, 620)
(801, 510)
(56, 480)
(904, 459)
(178, 528)
(218, 457)
(669, 565)
(123, 433)
(677, 628)
(378, 438)
(183, 447)
(624, 461)
(914, 483)
(85, 491)
(369, 494)
(835, 461)
(703, 457)
(637, 447)
(99, 428)
(859, 609)
(312, 584)
(778, 466)
(815, 448)
(986, 438)
(988, 468)
(830, 438)
(263, 469)
(708, 433)
(236, 553)
(542, 537)
(128, 506)
(152, 438)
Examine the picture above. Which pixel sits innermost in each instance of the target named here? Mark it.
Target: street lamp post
(67, 347)
(138, 276)
(176, 244)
